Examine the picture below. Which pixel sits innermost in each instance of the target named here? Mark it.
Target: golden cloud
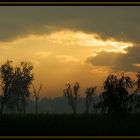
(78, 38)
(66, 58)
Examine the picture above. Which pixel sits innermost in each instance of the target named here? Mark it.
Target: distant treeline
(57, 105)
(17, 81)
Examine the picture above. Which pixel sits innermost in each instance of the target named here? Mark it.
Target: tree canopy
(15, 83)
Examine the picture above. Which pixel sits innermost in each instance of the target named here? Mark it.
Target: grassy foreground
(69, 125)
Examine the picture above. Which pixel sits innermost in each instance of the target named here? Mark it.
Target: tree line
(120, 94)
(16, 82)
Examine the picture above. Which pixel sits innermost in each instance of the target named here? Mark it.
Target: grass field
(69, 125)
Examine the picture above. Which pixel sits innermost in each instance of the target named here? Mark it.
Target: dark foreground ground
(69, 125)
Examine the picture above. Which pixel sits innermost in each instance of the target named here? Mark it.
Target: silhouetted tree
(134, 99)
(89, 97)
(15, 84)
(36, 95)
(25, 78)
(115, 95)
(72, 94)
(6, 74)
(137, 83)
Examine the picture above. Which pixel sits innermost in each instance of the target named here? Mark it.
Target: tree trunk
(24, 109)
(36, 106)
(4, 98)
(87, 109)
(24, 106)
(2, 106)
(74, 109)
(19, 107)
(87, 106)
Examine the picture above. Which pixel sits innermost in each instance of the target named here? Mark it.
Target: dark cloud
(118, 61)
(110, 21)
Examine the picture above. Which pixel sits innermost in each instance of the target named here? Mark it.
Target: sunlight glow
(89, 40)
(81, 39)
(136, 65)
(60, 57)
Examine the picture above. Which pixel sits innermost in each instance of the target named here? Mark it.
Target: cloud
(38, 57)
(117, 22)
(41, 55)
(78, 38)
(118, 61)
(66, 58)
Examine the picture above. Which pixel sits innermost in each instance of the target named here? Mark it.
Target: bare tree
(72, 95)
(36, 95)
(89, 97)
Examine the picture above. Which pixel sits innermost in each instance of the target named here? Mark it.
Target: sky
(66, 44)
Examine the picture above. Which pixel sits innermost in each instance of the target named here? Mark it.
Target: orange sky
(60, 57)
(69, 44)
